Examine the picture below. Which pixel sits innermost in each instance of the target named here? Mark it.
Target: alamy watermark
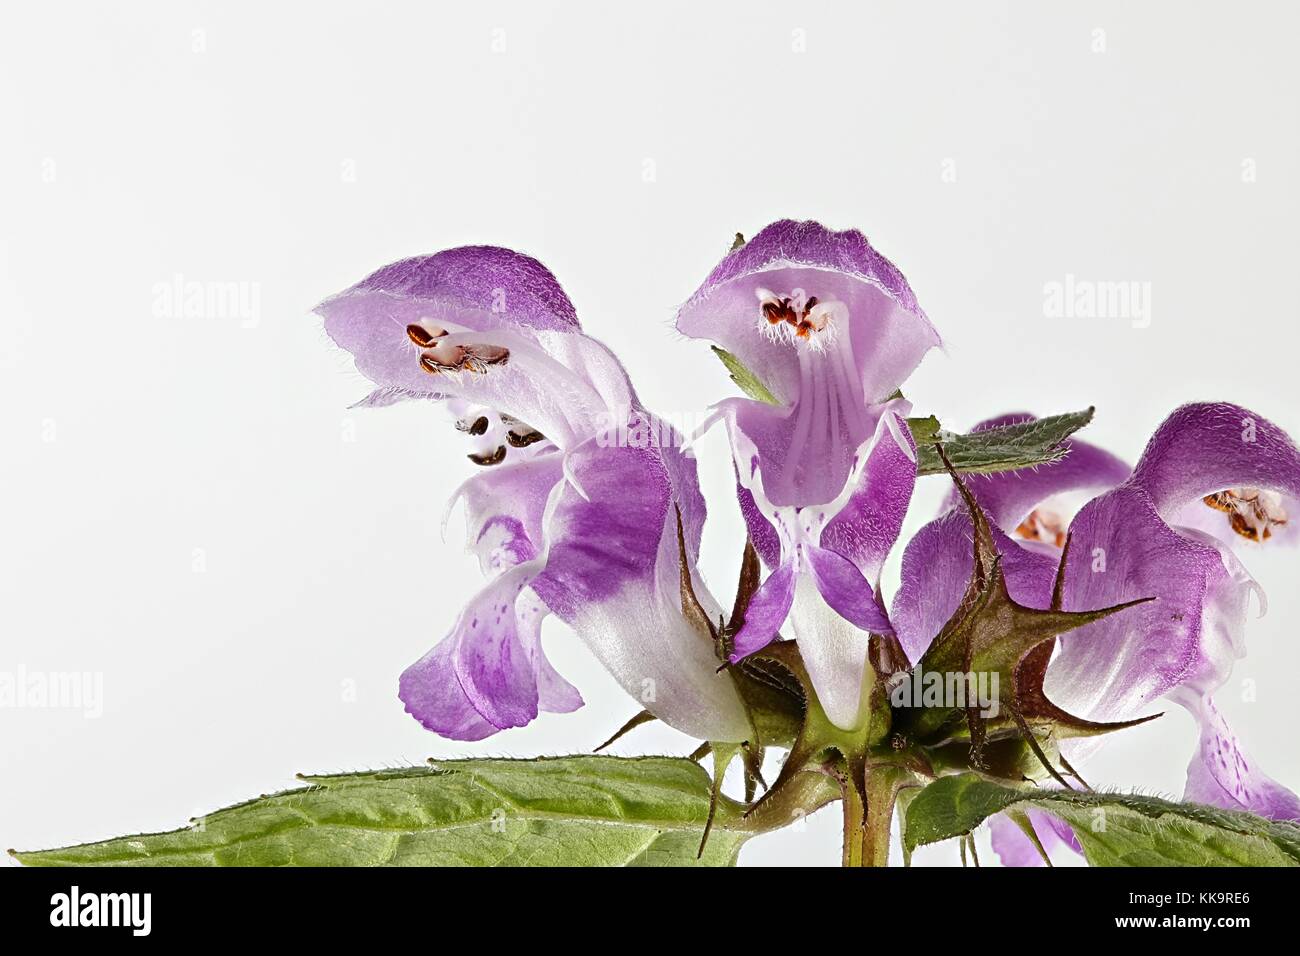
(182, 298)
(1076, 298)
(638, 430)
(956, 689)
(53, 690)
(74, 908)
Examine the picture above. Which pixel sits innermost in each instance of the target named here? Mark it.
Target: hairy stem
(869, 814)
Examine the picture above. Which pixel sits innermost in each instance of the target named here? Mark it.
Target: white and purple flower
(1134, 540)
(832, 329)
(563, 520)
(586, 508)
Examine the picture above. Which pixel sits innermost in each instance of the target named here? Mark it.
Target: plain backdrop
(190, 510)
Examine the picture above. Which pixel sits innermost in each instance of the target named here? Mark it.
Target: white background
(296, 147)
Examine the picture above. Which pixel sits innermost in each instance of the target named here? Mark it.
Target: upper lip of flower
(485, 324)
(753, 304)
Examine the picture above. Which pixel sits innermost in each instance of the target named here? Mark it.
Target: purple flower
(1224, 458)
(1128, 543)
(1028, 513)
(578, 513)
(832, 329)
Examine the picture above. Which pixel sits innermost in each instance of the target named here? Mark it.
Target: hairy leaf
(563, 811)
(998, 449)
(1114, 829)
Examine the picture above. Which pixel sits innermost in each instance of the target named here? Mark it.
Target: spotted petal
(490, 672)
(1222, 774)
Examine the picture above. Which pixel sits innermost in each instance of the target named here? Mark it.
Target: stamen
(1045, 525)
(424, 337)
(446, 357)
(798, 317)
(518, 439)
(478, 426)
(494, 458)
(1252, 512)
(488, 354)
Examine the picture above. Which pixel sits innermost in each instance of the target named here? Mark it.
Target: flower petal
(1204, 448)
(1222, 774)
(1114, 668)
(554, 694)
(767, 611)
(846, 591)
(891, 332)
(764, 537)
(866, 529)
(544, 371)
(432, 694)
(833, 650)
(493, 661)
(505, 508)
(613, 575)
(490, 672)
(1013, 846)
(477, 287)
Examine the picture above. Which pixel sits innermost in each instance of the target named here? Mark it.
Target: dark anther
(495, 458)
(479, 426)
(523, 439)
(421, 336)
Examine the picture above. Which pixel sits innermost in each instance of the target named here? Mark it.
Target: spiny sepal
(999, 649)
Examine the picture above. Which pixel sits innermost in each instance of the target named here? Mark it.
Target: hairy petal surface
(1183, 644)
(539, 367)
(890, 333)
(613, 575)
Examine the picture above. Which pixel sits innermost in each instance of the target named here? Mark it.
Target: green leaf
(562, 811)
(749, 382)
(998, 449)
(1114, 829)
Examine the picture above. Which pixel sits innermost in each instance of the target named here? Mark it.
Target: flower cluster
(605, 534)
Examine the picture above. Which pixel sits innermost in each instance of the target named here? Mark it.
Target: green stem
(867, 821)
(855, 827)
(802, 795)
